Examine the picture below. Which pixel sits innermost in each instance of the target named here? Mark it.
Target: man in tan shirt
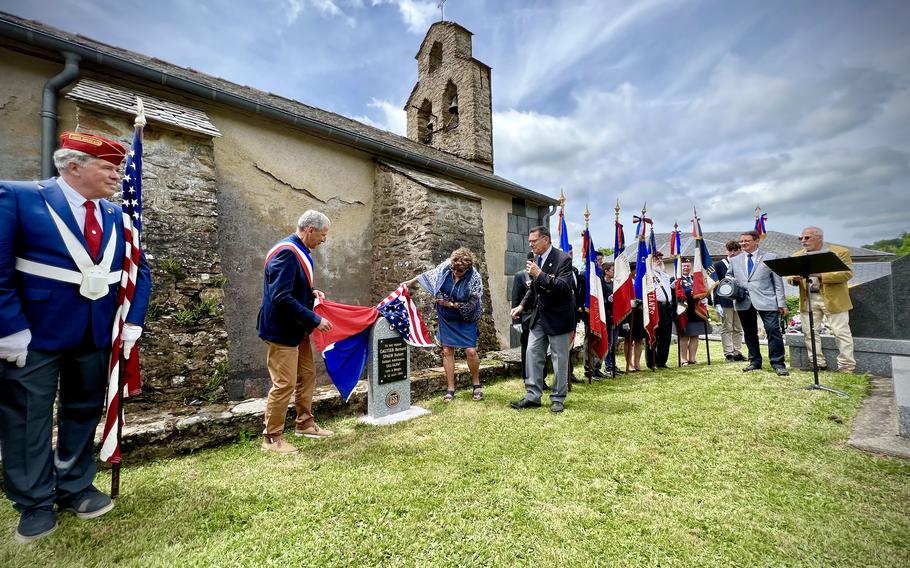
(830, 299)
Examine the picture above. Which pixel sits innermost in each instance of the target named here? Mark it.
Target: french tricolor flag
(594, 300)
(623, 285)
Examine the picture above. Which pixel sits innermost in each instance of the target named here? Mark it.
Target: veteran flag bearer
(61, 255)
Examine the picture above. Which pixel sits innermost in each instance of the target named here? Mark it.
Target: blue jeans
(771, 321)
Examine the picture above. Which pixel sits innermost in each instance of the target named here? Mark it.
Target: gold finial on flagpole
(562, 198)
(644, 209)
(587, 216)
(617, 209)
(757, 210)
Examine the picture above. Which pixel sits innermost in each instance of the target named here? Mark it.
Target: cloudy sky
(800, 107)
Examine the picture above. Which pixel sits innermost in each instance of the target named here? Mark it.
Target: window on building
(435, 56)
(450, 106)
(425, 124)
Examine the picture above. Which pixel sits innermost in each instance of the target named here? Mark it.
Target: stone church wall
(267, 175)
(416, 228)
(184, 345)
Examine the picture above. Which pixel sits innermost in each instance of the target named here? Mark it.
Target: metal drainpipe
(550, 212)
(49, 110)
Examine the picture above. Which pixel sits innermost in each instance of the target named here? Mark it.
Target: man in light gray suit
(765, 300)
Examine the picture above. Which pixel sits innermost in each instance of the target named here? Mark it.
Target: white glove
(14, 348)
(720, 311)
(129, 336)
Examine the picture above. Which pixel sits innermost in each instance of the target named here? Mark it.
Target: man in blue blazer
(285, 322)
(551, 300)
(765, 300)
(61, 254)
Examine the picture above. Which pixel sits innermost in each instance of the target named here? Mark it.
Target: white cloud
(293, 8)
(392, 117)
(328, 8)
(416, 15)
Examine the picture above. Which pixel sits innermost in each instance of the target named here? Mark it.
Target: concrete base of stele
(872, 355)
(410, 413)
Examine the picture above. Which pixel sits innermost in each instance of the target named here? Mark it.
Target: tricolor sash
(302, 256)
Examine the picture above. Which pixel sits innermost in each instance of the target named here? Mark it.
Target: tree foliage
(899, 246)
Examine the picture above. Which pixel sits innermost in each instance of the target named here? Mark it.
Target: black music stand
(804, 266)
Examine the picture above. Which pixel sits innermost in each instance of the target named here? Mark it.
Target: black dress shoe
(782, 371)
(739, 357)
(662, 367)
(524, 403)
(729, 358)
(556, 407)
(751, 368)
(598, 374)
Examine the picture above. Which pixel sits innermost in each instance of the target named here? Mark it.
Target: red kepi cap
(98, 146)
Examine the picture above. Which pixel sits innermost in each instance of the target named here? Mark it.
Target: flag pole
(138, 125)
(562, 217)
(676, 258)
(698, 240)
(652, 349)
(614, 336)
(589, 361)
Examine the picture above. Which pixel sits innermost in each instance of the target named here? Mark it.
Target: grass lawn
(700, 466)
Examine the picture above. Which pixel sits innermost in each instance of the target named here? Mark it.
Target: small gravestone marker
(388, 378)
(901, 372)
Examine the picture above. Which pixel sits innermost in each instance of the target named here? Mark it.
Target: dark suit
(71, 342)
(519, 289)
(551, 299)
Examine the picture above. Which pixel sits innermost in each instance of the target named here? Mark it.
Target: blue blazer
(57, 315)
(286, 315)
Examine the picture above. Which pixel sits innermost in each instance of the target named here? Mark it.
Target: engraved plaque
(392, 360)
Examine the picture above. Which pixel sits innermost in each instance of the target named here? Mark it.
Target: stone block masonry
(415, 227)
(184, 346)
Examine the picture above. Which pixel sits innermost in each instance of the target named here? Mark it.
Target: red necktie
(92, 230)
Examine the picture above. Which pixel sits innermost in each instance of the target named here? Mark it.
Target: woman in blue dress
(458, 290)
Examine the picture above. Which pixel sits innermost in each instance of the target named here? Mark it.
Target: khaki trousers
(838, 325)
(292, 372)
(731, 332)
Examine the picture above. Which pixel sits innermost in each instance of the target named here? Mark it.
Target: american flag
(132, 226)
(402, 313)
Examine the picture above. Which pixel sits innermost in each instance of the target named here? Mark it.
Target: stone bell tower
(450, 107)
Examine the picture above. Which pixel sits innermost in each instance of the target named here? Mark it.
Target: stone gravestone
(901, 367)
(388, 378)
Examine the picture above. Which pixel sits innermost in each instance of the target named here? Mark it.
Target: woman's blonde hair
(462, 256)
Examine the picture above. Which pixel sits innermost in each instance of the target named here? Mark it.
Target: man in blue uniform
(286, 320)
(61, 254)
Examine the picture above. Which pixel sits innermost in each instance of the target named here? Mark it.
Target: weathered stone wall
(22, 80)
(469, 134)
(184, 345)
(267, 175)
(415, 228)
